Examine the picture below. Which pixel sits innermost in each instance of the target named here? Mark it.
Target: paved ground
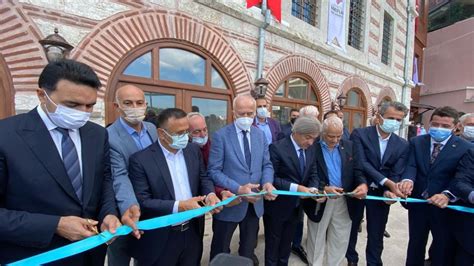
(395, 247)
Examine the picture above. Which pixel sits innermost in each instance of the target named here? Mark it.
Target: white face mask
(200, 141)
(179, 141)
(468, 132)
(262, 112)
(134, 115)
(244, 123)
(66, 117)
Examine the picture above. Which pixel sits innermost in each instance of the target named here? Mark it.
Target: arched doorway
(6, 90)
(295, 91)
(175, 74)
(355, 109)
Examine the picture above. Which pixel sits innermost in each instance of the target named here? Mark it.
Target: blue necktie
(302, 162)
(248, 159)
(71, 161)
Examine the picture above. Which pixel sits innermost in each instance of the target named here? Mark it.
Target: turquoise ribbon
(168, 220)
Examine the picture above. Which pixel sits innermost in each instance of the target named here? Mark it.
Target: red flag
(273, 5)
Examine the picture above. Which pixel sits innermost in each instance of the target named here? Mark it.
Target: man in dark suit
(168, 177)
(55, 181)
(431, 167)
(382, 155)
(269, 126)
(295, 170)
(462, 223)
(286, 128)
(329, 223)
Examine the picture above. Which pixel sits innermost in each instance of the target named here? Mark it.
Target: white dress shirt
(293, 186)
(179, 176)
(383, 142)
(240, 137)
(57, 136)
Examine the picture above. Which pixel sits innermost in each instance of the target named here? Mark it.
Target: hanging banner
(336, 24)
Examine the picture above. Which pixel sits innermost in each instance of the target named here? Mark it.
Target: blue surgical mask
(66, 117)
(262, 112)
(179, 141)
(244, 123)
(439, 134)
(200, 141)
(390, 125)
(468, 132)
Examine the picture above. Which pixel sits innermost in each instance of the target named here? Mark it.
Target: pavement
(394, 252)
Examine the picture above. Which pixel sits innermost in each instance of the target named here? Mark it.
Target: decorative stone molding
(357, 82)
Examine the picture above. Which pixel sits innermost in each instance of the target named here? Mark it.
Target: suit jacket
(274, 127)
(286, 166)
(151, 180)
(461, 186)
(345, 134)
(367, 151)
(285, 131)
(35, 190)
(434, 178)
(122, 146)
(228, 169)
(351, 178)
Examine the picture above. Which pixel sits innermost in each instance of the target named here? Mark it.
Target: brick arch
(105, 47)
(386, 92)
(299, 63)
(357, 82)
(23, 55)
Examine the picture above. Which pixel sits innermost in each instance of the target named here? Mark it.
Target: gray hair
(463, 118)
(396, 105)
(192, 114)
(306, 125)
(238, 97)
(309, 110)
(332, 121)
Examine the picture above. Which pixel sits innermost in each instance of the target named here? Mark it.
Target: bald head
(129, 92)
(244, 105)
(130, 103)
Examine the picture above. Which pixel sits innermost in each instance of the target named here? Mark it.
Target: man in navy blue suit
(431, 167)
(286, 128)
(382, 155)
(170, 177)
(462, 223)
(295, 170)
(55, 180)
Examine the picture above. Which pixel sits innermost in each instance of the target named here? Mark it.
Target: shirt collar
(167, 153)
(380, 136)
(325, 145)
(261, 123)
(442, 142)
(238, 130)
(47, 121)
(130, 130)
(297, 147)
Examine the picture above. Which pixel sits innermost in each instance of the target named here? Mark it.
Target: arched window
(176, 75)
(6, 90)
(295, 92)
(354, 110)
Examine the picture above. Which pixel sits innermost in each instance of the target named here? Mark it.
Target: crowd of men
(63, 179)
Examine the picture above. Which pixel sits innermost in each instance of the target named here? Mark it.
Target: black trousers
(182, 248)
(377, 217)
(223, 232)
(423, 218)
(279, 234)
(357, 215)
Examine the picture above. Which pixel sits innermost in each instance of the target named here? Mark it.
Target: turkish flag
(273, 5)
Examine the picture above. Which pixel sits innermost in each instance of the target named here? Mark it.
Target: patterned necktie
(71, 161)
(436, 150)
(248, 157)
(302, 162)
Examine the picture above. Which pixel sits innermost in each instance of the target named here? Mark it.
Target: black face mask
(292, 120)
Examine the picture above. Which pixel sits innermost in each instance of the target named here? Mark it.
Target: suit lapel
(88, 145)
(255, 147)
(345, 155)
(36, 135)
(162, 165)
(150, 128)
(374, 138)
(321, 162)
(426, 152)
(309, 161)
(390, 148)
(451, 145)
(293, 156)
(235, 143)
(128, 142)
(188, 159)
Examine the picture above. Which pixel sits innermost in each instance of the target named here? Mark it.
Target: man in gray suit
(127, 135)
(240, 162)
